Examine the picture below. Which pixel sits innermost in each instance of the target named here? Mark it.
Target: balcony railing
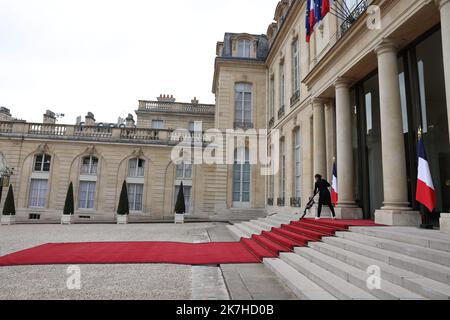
(280, 202)
(295, 97)
(6, 127)
(174, 107)
(354, 16)
(243, 125)
(296, 202)
(281, 112)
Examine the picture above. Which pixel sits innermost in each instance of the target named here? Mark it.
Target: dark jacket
(324, 194)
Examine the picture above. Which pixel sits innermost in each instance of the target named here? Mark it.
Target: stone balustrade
(174, 107)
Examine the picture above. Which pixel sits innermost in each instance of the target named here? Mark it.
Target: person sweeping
(321, 187)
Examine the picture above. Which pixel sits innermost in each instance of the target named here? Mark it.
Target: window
(283, 170)
(244, 48)
(243, 103)
(135, 197)
(42, 163)
(184, 171)
(369, 122)
(191, 126)
(87, 195)
(295, 68)
(187, 190)
(89, 165)
(158, 124)
(272, 97)
(351, 4)
(282, 86)
(38, 193)
(298, 167)
(136, 168)
(241, 177)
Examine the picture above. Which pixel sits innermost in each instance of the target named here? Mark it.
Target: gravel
(104, 282)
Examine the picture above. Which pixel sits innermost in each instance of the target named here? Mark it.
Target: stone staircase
(239, 215)
(414, 264)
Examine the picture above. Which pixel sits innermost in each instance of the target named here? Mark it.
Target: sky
(102, 56)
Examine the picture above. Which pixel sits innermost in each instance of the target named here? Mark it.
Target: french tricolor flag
(426, 194)
(334, 187)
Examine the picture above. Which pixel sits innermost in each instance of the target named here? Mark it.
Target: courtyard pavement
(129, 282)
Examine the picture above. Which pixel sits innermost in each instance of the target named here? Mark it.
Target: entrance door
(241, 179)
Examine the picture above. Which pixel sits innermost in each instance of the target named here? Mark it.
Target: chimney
(166, 98)
(130, 123)
(194, 101)
(89, 120)
(49, 117)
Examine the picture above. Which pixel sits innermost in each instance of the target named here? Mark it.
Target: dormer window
(244, 48)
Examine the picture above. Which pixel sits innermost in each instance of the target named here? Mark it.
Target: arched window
(243, 105)
(42, 163)
(89, 165)
(241, 178)
(244, 48)
(136, 168)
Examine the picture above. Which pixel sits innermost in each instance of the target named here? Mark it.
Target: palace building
(357, 93)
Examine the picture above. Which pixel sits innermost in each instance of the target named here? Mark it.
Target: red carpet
(269, 244)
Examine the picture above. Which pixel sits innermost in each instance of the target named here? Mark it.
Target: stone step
(435, 256)
(300, 285)
(428, 269)
(421, 238)
(271, 222)
(236, 233)
(278, 220)
(262, 224)
(415, 283)
(245, 230)
(355, 276)
(257, 229)
(338, 287)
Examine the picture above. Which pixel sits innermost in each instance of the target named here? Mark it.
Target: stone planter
(67, 219)
(8, 220)
(179, 218)
(122, 219)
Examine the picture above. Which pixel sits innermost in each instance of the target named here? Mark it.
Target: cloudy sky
(75, 56)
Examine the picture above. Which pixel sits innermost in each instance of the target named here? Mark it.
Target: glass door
(241, 179)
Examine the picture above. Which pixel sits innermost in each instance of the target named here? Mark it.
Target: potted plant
(9, 209)
(69, 207)
(180, 206)
(123, 209)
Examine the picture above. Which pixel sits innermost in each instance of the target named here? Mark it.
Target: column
(320, 147)
(444, 8)
(330, 132)
(347, 208)
(396, 210)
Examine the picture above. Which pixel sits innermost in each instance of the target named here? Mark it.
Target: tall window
(89, 165)
(244, 48)
(38, 193)
(241, 177)
(272, 97)
(283, 170)
(157, 124)
(243, 103)
(298, 167)
(136, 168)
(184, 171)
(87, 195)
(135, 197)
(295, 68)
(282, 86)
(42, 163)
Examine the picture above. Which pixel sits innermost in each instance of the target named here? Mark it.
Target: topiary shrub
(69, 206)
(180, 206)
(123, 208)
(9, 209)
